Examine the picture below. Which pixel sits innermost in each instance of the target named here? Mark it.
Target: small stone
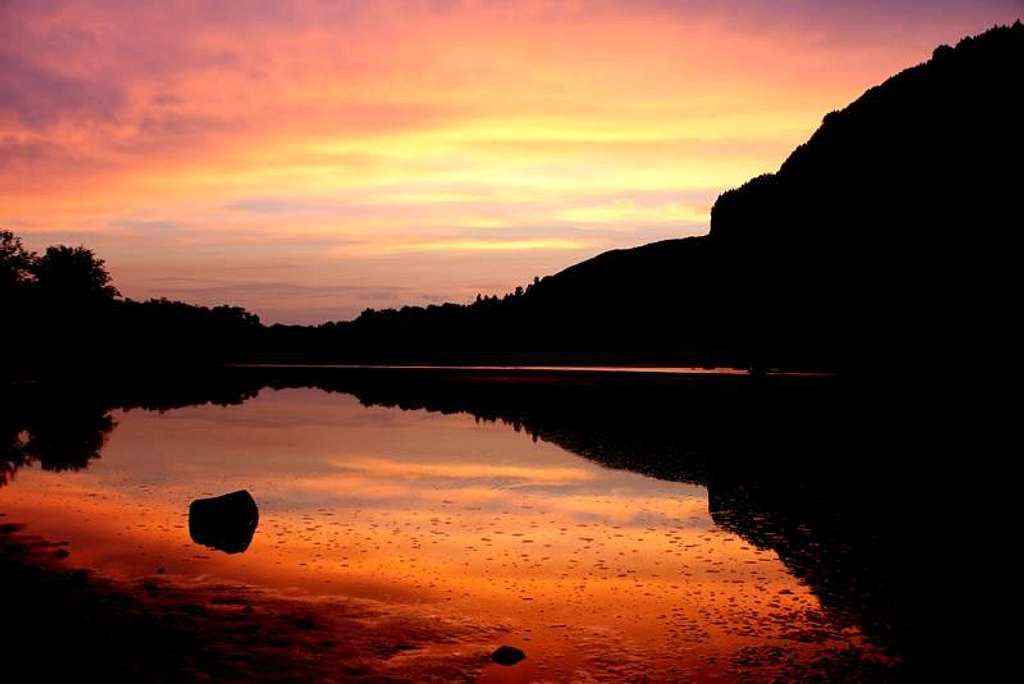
(507, 655)
(226, 523)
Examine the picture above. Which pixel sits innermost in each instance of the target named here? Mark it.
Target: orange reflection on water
(590, 569)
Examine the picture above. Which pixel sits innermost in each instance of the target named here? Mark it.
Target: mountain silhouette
(883, 241)
(879, 238)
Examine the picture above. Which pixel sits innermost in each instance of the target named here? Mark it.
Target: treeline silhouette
(885, 239)
(62, 308)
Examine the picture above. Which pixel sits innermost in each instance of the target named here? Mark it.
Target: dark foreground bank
(62, 622)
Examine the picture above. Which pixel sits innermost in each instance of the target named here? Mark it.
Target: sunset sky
(309, 159)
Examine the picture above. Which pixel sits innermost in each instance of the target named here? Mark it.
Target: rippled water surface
(594, 572)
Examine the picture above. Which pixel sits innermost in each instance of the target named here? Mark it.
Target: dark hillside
(885, 238)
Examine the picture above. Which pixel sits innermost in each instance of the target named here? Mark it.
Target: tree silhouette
(58, 435)
(15, 262)
(72, 274)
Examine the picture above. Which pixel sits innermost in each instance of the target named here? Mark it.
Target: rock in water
(226, 523)
(507, 655)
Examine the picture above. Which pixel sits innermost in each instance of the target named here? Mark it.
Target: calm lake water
(595, 572)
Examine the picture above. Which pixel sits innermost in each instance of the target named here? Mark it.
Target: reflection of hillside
(791, 464)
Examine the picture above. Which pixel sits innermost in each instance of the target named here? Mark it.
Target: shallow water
(596, 573)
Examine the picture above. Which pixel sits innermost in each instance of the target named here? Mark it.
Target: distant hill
(880, 238)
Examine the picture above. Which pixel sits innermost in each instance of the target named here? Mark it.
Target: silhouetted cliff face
(882, 235)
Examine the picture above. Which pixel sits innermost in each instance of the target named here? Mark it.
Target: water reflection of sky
(444, 513)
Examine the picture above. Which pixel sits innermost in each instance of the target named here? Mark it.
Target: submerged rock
(226, 523)
(507, 655)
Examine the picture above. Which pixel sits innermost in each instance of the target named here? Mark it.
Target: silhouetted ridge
(884, 240)
(875, 237)
(879, 241)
